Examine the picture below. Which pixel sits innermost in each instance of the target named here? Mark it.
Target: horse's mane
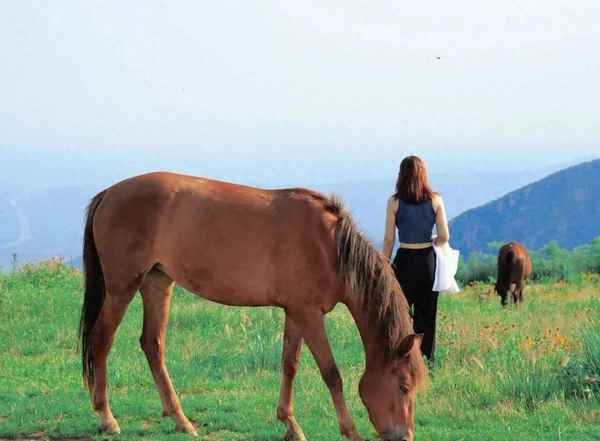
(368, 275)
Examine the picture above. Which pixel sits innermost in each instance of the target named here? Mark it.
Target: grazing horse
(514, 268)
(243, 246)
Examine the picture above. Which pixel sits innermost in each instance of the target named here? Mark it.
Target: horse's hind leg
(513, 292)
(292, 344)
(156, 293)
(110, 317)
(519, 293)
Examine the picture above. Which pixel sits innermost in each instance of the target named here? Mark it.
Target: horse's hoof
(187, 428)
(294, 436)
(110, 427)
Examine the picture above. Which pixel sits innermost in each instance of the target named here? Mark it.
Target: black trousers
(415, 270)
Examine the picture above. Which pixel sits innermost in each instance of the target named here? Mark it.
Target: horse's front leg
(312, 326)
(290, 359)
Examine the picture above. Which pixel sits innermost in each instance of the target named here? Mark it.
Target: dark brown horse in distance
(237, 245)
(514, 268)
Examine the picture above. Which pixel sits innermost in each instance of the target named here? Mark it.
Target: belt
(415, 246)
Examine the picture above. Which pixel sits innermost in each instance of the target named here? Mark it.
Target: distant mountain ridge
(36, 225)
(563, 207)
(47, 222)
(39, 225)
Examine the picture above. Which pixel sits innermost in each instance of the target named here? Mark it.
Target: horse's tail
(94, 292)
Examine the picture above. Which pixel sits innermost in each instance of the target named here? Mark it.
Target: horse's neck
(374, 353)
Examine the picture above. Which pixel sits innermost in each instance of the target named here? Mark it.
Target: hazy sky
(465, 84)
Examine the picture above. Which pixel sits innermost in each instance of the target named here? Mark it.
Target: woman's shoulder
(392, 201)
(436, 201)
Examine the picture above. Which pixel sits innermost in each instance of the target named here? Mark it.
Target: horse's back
(514, 260)
(230, 243)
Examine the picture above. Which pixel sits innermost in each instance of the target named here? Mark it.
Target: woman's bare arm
(441, 222)
(390, 227)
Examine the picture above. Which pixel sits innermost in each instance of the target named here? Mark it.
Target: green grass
(529, 374)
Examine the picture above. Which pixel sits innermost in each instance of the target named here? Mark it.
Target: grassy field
(529, 374)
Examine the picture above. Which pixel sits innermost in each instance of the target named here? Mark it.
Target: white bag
(446, 260)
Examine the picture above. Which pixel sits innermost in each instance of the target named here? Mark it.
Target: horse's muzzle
(396, 435)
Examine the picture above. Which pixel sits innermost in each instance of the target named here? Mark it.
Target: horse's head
(388, 390)
(503, 293)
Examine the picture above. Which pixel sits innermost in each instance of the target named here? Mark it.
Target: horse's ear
(408, 343)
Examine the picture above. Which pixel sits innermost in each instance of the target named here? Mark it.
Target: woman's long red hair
(412, 184)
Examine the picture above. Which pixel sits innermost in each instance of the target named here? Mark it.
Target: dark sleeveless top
(415, 221)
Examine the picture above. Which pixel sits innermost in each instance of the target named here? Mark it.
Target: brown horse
(244, 246)
(514, 268)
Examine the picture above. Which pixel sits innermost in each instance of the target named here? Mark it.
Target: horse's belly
(230, 298)
(228, 291)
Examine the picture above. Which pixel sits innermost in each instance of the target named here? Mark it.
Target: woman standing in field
(414, 209)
